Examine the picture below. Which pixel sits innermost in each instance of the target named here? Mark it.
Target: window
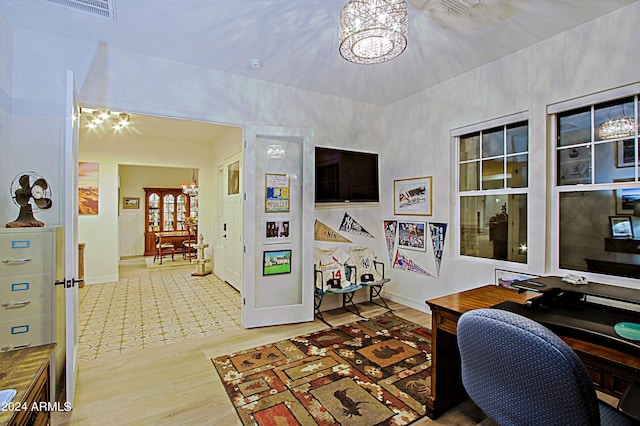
(493, 176)
(597, 177)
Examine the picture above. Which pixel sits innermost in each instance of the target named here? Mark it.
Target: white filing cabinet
(27, 275)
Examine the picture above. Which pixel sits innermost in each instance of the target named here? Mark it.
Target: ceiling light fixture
(96, 118)
(192, 188)
(373, 31)
(621, 127)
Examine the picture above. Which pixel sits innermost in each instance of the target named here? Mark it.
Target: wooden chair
(163, 249)
(189, 245)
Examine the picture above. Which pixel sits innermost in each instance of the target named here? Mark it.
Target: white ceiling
(297, 40)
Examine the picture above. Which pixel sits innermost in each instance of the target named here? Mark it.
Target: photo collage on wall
(276, 230)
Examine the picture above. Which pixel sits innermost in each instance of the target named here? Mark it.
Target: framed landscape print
(626, 200)
(276, 262)
(412, 197)
(131, 203)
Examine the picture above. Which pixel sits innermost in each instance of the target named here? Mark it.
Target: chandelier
(622, 127)
(192, 188)
(96, 118)
(373, 31)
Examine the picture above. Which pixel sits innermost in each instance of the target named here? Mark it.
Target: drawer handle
(16, 261)
(11, 348)
(12, 304)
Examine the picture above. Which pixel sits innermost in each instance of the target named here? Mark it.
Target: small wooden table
(173, 237)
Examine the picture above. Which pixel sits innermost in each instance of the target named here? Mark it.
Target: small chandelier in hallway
(192, 188)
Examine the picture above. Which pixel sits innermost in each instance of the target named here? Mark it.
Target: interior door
(71, 235)
(219, 245)
(232, 226)
(278, 186)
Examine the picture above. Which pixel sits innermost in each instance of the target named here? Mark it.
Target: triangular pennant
(322, 232)
(390, 231)
(438, 233)
(349, 224)
(403, 262)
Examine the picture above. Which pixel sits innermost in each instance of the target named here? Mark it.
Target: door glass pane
(518, 138)
(470, 147)
(154, 212)
(517, 171)
(168, 213)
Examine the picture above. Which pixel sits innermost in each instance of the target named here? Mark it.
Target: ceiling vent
(456, 7)
(102, 8)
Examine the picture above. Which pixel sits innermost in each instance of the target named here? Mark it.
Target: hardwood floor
(176, 384)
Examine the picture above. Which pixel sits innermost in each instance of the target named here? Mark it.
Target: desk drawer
(25, 332)
(26, 253)
(25, 295)
(446, 321)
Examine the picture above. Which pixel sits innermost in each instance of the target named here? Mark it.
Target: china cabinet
(166, 210)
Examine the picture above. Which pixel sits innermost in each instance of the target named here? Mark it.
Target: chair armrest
(629, 403)
(375, 266)
(351, 273)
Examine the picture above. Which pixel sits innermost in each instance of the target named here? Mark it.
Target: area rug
(167, 262)
(371, 372)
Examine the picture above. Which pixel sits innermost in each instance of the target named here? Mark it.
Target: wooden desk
(174, 237)
(27, 371)
(611, 370)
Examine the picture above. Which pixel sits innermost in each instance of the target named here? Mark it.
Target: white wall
(6, 65)
(586, 60)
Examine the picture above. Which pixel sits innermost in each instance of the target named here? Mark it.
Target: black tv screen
(346, 176)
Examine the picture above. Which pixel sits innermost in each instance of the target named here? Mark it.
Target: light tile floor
(143, 311)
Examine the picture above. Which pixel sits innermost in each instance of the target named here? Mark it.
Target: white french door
(71, 235)
(278, 188)
(232, 226)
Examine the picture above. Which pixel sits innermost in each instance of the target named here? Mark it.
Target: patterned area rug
(372, 372)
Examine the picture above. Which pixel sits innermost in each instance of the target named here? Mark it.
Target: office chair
(520, 373)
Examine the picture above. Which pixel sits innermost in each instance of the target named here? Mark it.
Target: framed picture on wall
(621, 226)
(276, 262)
(411, 235)
(412, 197)
(506, 278)
(277, 231)
(131, 203)
(276, 193)
(626, 200)
(625, 154)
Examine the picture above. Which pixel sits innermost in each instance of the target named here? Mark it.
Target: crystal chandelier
(192, 188)
(622, 127)
(373, 31)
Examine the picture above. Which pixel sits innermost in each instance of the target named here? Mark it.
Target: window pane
(494, 227)
(470, 176)
(517, 138)
(585, 231)
(470, 147)
(493, 174)
(609, 162)
(574, 165)
(517, 171)
(574, 127)
(493, 142)
(621, 108)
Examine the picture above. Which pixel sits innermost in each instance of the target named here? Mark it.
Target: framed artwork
(233, 178)
(276, 193)
(88, 189)
(411, 235)
(626, 200)
(131, 203)
(625, 153)
(412, 197)
(276, 262)
(621, 226)
(276, 231)
(506, 278)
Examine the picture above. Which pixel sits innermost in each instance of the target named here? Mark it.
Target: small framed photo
(130, 202)
(411, 235)
(276, 262)
(276, 193)
(277, 231)
(625, 154)
(412, 197)
(506, 278)
(621, 226)
(626, 200)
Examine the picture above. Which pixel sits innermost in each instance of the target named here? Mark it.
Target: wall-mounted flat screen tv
(346, 176)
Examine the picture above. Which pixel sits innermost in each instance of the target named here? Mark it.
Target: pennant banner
(403, 262)
(322, 232)
(390, 231)
(438, 232)
(349, 224)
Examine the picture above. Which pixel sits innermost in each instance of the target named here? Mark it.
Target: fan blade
(41, 183)
(44, 203)
(24, 181)
(22, 197)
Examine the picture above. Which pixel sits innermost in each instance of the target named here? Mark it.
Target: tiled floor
(149, 310)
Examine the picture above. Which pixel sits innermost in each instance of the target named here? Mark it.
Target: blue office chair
(520, 373)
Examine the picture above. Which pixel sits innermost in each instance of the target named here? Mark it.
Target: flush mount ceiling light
(373, 31)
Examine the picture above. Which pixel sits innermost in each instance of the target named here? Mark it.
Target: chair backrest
(520, 373)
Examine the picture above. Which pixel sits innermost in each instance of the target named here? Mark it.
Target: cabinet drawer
(25, 332)
(447, 321)
(25, 295)
(26, 252)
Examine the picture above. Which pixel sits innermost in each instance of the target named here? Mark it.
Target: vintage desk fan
(31, 193)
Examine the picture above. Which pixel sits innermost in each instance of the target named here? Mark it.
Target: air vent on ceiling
(102, 8)
(456, 7)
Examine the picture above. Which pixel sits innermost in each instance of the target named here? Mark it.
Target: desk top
(182, 233)
(477, 298)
